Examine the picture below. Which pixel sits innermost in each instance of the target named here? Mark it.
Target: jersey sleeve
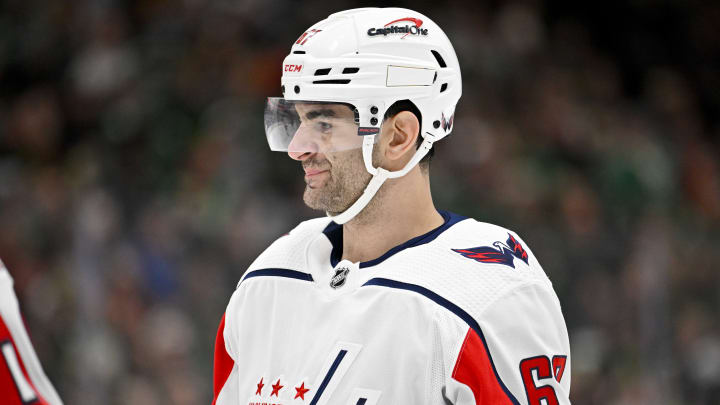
(22, 378)
(224, 371)
(517, 352)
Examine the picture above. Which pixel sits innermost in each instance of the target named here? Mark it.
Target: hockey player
(22, 379)
(385, 300)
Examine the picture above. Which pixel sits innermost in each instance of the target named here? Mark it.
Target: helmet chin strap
(379, 175)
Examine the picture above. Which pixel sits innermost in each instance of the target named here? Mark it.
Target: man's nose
(302, 145)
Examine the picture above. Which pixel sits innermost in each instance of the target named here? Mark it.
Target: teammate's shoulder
(288, 251)
(4, 274)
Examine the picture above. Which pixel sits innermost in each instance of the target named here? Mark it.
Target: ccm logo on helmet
(389, 28)
(293, 68)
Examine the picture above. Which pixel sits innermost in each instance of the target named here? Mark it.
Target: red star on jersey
(276, 388)
(260, 385)
(301, 390)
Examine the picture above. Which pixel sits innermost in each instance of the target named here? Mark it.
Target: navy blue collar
(335, 235)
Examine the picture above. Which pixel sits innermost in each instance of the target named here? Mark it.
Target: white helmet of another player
(367, 59)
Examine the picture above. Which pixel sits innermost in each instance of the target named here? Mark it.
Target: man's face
(329, 148)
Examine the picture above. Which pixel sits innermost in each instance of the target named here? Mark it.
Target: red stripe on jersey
(474, 369)
(9, 391)
(223, 362)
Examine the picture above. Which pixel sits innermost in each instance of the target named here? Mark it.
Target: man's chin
(313, 199)
(317, 199)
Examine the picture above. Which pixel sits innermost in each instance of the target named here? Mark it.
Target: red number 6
(544, 370)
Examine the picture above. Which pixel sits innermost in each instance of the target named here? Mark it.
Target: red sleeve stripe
(223, 362)
(475, 369)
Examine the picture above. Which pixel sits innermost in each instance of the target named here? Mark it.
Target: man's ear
(405, 129)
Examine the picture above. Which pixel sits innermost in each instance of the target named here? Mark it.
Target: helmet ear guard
(372, 58)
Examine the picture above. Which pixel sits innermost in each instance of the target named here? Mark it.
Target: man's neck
(402, 210)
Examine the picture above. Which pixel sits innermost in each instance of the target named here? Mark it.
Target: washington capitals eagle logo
(501, 253)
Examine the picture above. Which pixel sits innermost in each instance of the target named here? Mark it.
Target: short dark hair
(407, 105)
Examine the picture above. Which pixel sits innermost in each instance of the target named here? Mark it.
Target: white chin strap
(379, 176)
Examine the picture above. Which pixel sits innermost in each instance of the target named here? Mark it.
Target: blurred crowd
(136, 184)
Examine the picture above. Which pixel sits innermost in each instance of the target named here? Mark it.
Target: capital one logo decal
(391, 28)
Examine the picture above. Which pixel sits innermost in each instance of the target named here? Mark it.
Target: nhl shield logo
(338, 280)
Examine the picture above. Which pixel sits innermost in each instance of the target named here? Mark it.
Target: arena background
(136, 184)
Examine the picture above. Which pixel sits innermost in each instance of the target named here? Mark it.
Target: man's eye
(324, 126)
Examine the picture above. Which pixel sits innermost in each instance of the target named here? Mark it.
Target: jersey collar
(335, 235)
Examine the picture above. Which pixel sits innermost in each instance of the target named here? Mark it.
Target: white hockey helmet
(368, 59)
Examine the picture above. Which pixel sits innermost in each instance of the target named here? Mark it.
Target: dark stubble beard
(348, 179)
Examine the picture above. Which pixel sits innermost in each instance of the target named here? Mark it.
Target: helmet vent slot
(443, 87)
(349, 70)
(299, 52)
(322, 72)
(439, 58)
(336, 81)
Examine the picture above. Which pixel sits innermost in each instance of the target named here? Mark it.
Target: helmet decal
(292, 68)
(447, 124)
(306, 35)
(394, 29)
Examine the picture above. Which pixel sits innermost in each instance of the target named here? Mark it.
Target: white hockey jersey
(461, 315)
(22, 379)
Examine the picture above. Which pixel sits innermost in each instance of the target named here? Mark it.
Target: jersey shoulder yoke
(471, 264)
(289, 250)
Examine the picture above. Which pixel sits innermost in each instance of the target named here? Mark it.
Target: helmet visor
(311, 126)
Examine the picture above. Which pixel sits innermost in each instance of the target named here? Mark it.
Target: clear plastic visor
(311, 126)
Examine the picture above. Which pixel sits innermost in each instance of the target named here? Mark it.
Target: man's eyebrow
(325, 112)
